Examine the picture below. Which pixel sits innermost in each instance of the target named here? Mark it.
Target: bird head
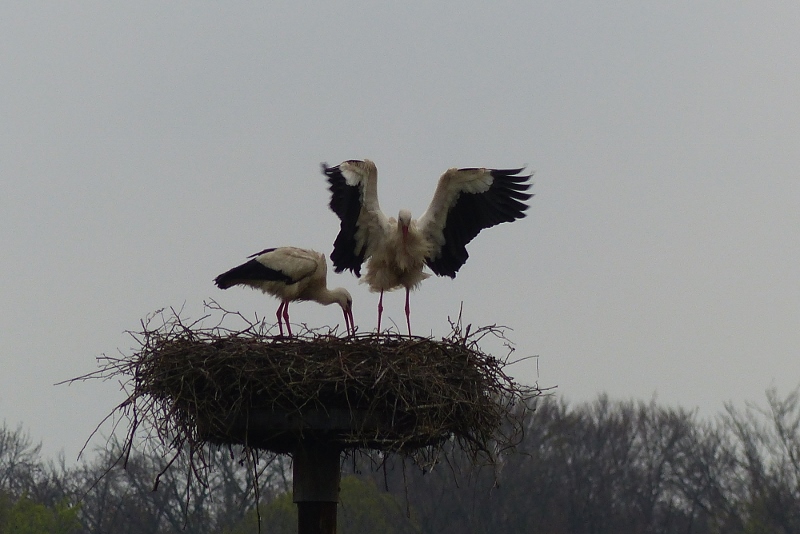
(403, 222)
(344, 300)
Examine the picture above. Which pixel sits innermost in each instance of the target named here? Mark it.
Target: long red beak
(349, 323)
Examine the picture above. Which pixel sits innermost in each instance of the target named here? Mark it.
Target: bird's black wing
(252, 271)
(467, 201)
(346, 197)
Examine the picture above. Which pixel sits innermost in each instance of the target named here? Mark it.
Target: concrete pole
(316, 476)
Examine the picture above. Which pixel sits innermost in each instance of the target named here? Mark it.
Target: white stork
(290, 273)
(465, 202)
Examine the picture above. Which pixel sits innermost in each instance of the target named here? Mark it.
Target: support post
(316, 477)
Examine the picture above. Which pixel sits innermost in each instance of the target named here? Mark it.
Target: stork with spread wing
(466, 201)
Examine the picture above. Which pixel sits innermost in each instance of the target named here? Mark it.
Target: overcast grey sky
(146, 147)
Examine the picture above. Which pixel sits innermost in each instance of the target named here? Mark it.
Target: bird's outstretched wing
(354, 199)
(465, 202)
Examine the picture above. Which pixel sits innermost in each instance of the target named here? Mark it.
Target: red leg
(286, 317)
(380, 311)
(408, 313)
(279, 315)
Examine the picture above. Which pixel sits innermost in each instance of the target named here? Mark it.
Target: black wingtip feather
(503, 202)
(261, 252)
(346, 204)
(223, 281)
(509, 173)
(249, 273)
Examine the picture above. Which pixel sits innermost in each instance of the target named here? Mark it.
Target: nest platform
(385, 392)
(190, 385)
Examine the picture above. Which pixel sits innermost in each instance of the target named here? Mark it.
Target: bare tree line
(600, 467)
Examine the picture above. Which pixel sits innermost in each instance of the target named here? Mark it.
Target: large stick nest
(189, 385)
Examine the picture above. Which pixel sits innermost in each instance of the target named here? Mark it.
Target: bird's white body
(396, 262)
(290, 274)
(466, 201)
(307, 268)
